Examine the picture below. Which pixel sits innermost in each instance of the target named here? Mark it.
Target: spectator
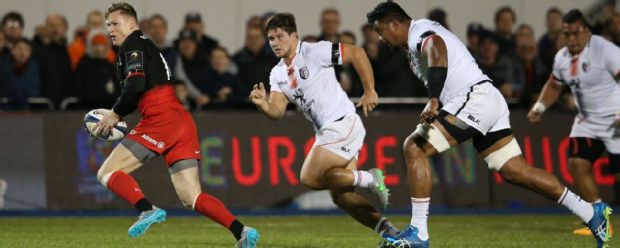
(330, 25)
(21, 77)
(253, 60)
(95, 23)
(505, 19)
(51, 54)
(524, 32)
(611, 30)
(158, 29)
(547, 43)
(192, 69)
(497, 66)
(193, 21)
(474, 33)
(223, 87)
(4, 50)
(440, 16)
(531, 71)
(13, 28)
(603, 16)
(310, 38)
(144, 24)
(95, 82)
(349, 80)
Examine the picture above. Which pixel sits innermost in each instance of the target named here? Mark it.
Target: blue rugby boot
(599, 224)
(145, 220)
(406, 239)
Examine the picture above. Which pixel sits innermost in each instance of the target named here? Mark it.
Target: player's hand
(107, 122)
(430, 111)
(258, 96)
(368, 102)
(534, 117)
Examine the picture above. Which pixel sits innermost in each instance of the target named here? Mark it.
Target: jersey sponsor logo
(303, 103)
(280, 83)
(132, 132)
(144, 37)
(303, 72)
(134, 61)
(161, 145)
(150, 140)
(345, 149)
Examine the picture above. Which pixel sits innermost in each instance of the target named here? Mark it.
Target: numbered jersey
(138, 56)
(463, 72)
(310, 82)
(592, 77)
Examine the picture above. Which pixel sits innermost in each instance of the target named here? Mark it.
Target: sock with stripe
(362, 178)
(419, 216)
(123, 185)
(577, 205)
(214, 209)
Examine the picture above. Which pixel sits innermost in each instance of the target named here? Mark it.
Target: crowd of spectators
(80, 72)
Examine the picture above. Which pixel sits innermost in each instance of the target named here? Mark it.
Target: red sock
(214, 209)
(125, 186)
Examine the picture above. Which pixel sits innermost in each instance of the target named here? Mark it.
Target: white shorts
(481, 106)
(344, 137)
(600, 128)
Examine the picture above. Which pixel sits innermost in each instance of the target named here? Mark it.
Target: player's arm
(550, 93)
(357, 56)
(433, 48)
(274, 107)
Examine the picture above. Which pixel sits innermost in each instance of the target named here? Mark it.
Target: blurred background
(56, 63)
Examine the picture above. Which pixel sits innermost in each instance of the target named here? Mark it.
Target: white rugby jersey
(463, 71)
(591, 76)
(310, 82)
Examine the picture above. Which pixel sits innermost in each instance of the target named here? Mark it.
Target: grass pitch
(294, 231)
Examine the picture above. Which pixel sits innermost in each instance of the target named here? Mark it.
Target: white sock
(576, 205)
(419, 216)
(385, 226)
(362, 178)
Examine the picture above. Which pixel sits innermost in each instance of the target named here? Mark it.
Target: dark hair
(505, 9)
(125, 8)
(330, 11)
(575, 15)
(23, 40)
(161, 18)
(285, 21)
(554, 10)
(13, 16)
(387, 10)
(221, 48)
(349, 33)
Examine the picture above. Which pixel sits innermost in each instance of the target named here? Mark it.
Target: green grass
(309, 232)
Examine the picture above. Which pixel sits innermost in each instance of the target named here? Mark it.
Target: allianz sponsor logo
(159, 145)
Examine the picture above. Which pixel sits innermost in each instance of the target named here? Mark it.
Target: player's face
(576, 36)
(387, 32)
(119, 27)
(281, 42)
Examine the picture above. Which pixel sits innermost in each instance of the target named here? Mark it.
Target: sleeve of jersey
(135, 80)
(328, 53)
(612, 59)
(556, 75)
(273, 82)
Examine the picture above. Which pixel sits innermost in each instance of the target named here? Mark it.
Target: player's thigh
(498, 148)
(127, 157)
(319, 161)
(445, 132)
(185, 178)
(584, 151)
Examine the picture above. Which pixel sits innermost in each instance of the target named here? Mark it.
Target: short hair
(330, 11)
(161, 18)
(575, 15)
(285, 21)
(13, 15)
(223, 49)
(389, 11)
(554, 10)
(351, 34)
(23, 40)
(124, 8)
(505, 9)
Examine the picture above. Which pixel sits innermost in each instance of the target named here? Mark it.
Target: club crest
(303, 72)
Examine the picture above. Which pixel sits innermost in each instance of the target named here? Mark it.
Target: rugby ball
(93, 117)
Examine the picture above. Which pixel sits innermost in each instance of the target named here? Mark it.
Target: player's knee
(578, 165)
(514, 172)
(189, 201)
(310, 181)
(103, 176)
(412, 149)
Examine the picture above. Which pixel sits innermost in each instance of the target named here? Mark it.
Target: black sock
(143, 205)
(236, 228)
